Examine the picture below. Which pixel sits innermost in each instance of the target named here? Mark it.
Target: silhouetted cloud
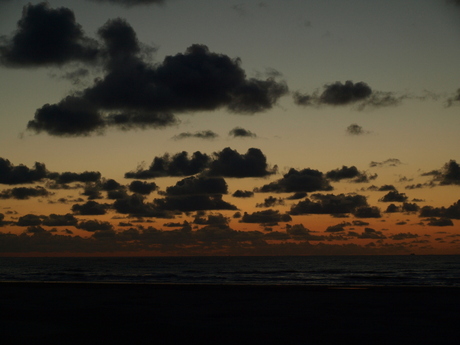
(24, 193)
(355, 129)
(45, 37)
(297, 196)
(90, 208)
(403, 236)
(271, 202)
(367, 212)
(338, 94)
(94, 225)
(329, 204)
(10, 174)
(243, 194)
(265, 217)
(198, 185)
(392, 162)
(59, 220)
(29, 220)
(352, 173)
(131, 3)
(453, 211)
(208, 134)
(338, 227)
(212, 219)
(440, 222)
(144, 188)
(239, 132)
(178, 165)
(135, 205)
(230, 163)
(306, 180)
(448, 174)
(69, 177)
(394, 196)
(136, 94)
(454, 100)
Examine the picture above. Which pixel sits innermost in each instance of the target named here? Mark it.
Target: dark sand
(81, 313)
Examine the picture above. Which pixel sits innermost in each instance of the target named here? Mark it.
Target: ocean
(287, 270)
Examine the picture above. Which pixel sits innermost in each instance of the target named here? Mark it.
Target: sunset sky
(173, 127)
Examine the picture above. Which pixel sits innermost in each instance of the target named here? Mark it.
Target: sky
(173, 127)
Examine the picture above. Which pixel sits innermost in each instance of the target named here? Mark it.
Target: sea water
(293, 270)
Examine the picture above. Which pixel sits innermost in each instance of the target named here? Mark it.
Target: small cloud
(391, 162)
(239, 132)
(355, 129)
(207, 134)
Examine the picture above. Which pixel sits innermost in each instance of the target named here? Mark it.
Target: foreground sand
(83, 313)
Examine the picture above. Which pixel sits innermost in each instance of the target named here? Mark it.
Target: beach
(119, 313)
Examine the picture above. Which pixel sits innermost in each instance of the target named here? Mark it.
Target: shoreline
(144, 313)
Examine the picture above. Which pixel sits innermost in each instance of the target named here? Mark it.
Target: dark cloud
(329, 204)
(392, 162)
(136, 94)
(403, 236)
(94, 225)
(447, 175)
(351, 173)
(198, 185)
(212, 219)
(440, 222)
(208, 134)
(394, 196)
(144, 188)
(10, 174)
(45, 37)
(29, 220)
(387, 187)
(355, 129)
(178, 165)
(338, 94)
(24, 193)
(239, 132)
(367, 212)
(90, 208)
(59, 220)
(338, 227)
(306, 180)
(452, 211)
(131, 3)
(230, 163)
(135, 205)
(455, 99)
(271, 202)
(69, 177)
(243, 194)
(265, 217)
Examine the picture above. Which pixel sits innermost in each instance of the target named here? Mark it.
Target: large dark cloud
(144, 188)
(10, 174)
(135, 205)
(306, 180)
(394, 196)
(338, 94)
(453, 211)
(46, 36)
(69, 177)
(230, 163)
(178, 165)
(448, 174)
(90, 208)
(137, 94)
(351, 173)
(130, 3)
(198, 185)
(24, 193)
(329, 204)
